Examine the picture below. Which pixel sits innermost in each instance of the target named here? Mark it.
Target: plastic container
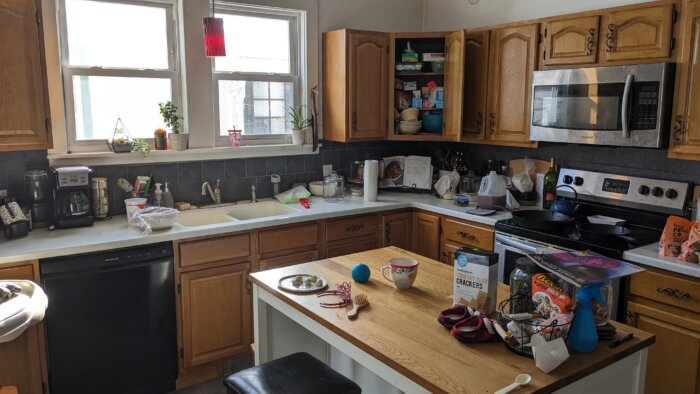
(133, 205)
(432, 122)
(492, 192)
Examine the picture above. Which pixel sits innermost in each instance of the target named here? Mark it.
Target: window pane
(269, 52)
(260, 90)
(99, 101)
(116, 35)
(239, 108)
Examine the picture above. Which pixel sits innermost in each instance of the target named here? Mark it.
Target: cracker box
(475, 279)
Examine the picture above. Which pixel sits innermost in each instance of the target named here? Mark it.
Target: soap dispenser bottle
(168, 201)
(583, 337)
(158, 195)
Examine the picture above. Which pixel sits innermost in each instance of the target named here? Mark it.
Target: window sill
(171, 156)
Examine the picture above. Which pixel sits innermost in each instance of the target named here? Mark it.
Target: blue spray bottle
(583, 337)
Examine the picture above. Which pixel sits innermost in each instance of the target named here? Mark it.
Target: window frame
(68, 71)
(297, 75)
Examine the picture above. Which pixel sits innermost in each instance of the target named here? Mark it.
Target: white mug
(403, 272)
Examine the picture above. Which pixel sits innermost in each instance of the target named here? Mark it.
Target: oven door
(620, 106)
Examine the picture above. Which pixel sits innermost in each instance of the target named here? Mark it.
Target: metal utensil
(520, 380)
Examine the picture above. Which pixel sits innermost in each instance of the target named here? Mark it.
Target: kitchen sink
(259, 210)
(231, 213)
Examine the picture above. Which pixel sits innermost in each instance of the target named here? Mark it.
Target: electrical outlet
(327, 169)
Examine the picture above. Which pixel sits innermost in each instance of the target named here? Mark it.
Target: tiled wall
(237, 175)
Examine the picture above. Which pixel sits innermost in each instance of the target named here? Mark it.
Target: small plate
(285, 283)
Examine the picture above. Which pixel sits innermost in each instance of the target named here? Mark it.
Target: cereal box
(475, 279)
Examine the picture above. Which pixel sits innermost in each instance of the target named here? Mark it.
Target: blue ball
(360, 273)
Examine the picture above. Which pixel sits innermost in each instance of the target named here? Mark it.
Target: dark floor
(216, 386)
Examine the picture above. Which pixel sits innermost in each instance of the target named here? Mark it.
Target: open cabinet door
(454, 85)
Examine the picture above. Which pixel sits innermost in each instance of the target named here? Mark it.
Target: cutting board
(517, 166)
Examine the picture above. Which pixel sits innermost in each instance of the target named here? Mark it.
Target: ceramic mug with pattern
(403, 272)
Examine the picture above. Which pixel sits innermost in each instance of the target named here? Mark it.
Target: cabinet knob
(610, 37)
(590, 44)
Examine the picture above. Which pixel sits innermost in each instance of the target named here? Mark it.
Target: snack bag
(692, 245)
(549, 299)
(675, 233)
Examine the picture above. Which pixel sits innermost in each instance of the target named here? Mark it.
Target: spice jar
(333, 186)
(521, 285)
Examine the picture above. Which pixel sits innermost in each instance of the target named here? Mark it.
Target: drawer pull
(675, 293)
(466, 235)
(354, 227)
(387, 232)
(590, 45)
(610, 37)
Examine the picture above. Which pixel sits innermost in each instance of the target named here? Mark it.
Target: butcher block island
(397, 345)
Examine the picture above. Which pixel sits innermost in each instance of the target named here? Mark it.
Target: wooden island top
(400, 329)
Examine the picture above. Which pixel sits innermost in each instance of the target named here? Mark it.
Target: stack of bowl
(409, 123)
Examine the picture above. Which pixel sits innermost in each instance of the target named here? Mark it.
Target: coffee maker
(72, 202)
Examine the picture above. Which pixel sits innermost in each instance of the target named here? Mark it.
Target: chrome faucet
(215, 194)
(253, 195)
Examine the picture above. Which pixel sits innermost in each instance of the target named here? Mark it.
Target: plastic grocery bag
(293, 195)
(523, 181)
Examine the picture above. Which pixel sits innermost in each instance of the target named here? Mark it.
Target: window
(119, 61)
(261, 78)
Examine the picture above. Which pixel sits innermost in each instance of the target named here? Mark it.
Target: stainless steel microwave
(616, 106)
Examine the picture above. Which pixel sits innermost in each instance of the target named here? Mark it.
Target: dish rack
(528, 328)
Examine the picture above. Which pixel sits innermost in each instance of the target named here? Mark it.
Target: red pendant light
(214, 44)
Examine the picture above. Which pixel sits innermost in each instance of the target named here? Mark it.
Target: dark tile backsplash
(237, 175)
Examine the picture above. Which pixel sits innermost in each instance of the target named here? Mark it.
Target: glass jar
(333, 186)
(601, 310)
(521, 285)
(36, 185)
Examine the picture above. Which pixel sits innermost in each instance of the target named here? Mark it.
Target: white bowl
(411, 123)
(316, 188)
(410, 114)
(409, 129)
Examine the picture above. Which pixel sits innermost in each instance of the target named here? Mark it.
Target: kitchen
(208, 259)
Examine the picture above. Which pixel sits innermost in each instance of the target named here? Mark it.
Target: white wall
(456, 14)
(380, 15)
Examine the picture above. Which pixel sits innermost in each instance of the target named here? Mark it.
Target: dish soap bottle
(168, 201)
(583, 337)
(158, 195)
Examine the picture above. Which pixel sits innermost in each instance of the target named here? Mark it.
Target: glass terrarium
(121, 141)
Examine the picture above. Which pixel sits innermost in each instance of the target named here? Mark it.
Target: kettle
(567, 207)
(492, 192)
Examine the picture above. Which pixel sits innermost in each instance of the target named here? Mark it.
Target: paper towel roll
(370, 177)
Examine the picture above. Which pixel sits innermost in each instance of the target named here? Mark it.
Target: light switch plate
(327, 169)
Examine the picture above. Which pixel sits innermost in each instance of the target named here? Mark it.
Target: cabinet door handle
(479, 121)
(630, 319)
(249, 287)
(354, 227)
(466, 235)
(590, 45)
(492, 122)
(610, 37)
(354, 121)
(678, 136)
(675, 293)
(387, 234)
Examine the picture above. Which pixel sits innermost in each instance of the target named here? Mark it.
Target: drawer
(354, 246)
(290, 238)
(228, 247)
(354, 227)
(667, 289)
(468, 234)
(21, 272)
(287, 260)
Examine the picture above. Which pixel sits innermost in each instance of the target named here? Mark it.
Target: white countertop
(115, 233)
(649, 255)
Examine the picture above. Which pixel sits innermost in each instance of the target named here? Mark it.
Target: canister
(100, 198)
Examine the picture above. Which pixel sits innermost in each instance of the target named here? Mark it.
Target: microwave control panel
(646, 106)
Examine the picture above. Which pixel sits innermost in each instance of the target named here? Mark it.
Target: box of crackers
(476, 279)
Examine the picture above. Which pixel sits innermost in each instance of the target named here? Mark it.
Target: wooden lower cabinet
(468, 234)
(426, 235)
(216, 314)
(397, 230)
(23, 361)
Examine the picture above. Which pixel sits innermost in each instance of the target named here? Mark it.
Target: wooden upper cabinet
(454, 80)
(642, 32)
(685, 125)
(24, 107)
(476, 62)
(571, 41)
(354, 85)
(513, 59)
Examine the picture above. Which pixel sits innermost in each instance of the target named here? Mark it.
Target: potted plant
(300, 122)
(168, 110)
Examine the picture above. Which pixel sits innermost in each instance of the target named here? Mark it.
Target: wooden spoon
(358, 302)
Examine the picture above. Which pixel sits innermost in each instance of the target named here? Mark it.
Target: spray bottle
(583, 337)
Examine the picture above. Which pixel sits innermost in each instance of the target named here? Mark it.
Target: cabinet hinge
(182, 352)
(47, 125)
(544, 54)
(539, 38)
(545, 33)
(674, 16)
(38, 17)
(673, 43)
(179, 288)
(439, 229)
(44, 389)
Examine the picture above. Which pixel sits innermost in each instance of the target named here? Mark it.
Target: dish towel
(8, 290)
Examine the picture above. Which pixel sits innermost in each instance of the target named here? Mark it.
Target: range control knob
(568, 179)
(643, 190)
(657, 192)
(578, 181)
(671, 193)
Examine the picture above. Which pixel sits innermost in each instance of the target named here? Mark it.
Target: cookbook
(584, 268)
(406, 171)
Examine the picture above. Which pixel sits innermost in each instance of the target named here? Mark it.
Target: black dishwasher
(111, 321)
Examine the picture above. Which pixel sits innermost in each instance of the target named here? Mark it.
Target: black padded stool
(298, 373)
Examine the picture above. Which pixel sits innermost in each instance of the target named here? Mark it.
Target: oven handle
(625, 104)
(513, 243)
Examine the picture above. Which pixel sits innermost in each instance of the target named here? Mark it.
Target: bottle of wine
(549, 189)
